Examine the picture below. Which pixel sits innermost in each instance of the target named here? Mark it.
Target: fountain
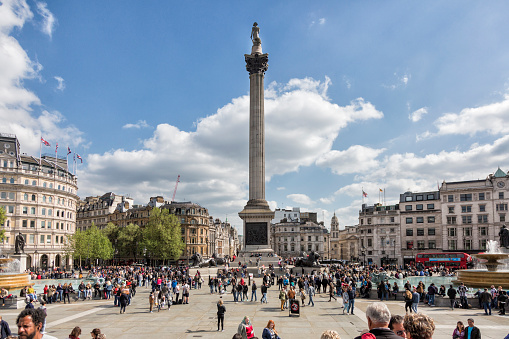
(494, 274)
(11, 277)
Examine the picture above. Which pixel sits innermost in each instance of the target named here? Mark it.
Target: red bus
(448, 260)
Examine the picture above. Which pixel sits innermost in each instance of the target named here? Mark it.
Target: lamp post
(363, 253)
(35, 261)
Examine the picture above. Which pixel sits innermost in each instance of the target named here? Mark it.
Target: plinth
(256, 216)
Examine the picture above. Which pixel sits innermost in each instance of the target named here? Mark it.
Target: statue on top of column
(255, 32)
(504, 236)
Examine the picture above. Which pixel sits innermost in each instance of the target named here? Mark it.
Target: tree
(130, 241)
(90, 244)
(2, 220)
(162, 236)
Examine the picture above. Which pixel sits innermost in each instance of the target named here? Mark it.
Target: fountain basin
(483, 278)
(10, 277)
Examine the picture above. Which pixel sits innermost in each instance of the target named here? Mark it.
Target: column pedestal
(22, 261)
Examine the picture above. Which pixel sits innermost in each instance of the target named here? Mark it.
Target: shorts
(186, 295)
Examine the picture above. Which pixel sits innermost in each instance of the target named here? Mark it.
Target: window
(431, 197)
(12, 181)
(369, 221)
(420, 244)
(501, 195)
(430, 206)
(43, 198)
(408, 198)
(482, 244)
(392, 219)
(483, 230)
(467, 231)
(419, 198)
(466, 209)
(451, 209)
(419, 220)
(482, 208)
(409, 245)
(482, 219)
(50, 199)
(34, 183)
(419, 207)
(431, 220)
(42, 240)
(467, 244)
(32, 210)
(32, 223)
(466, 219)
(466, 197)
(450, 198)
(432, 244)
(26, 181)
(502, 217)
(409, 232)
(501, 207)
(370, 242)
(24, 223)
(11, 196)
(25, 197)
(369, 230)
(49, 224)
(481, 196)
(25, 210)
(43, 224)
(48, 239)
(408, 207)
(451, 231)
(451, 220)
(431, 231)
(420, 232)
(452, 244)
(3, 195)
(392, 230)
(409, 220)
(50, 212)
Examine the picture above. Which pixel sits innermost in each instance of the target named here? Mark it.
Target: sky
(364, 95)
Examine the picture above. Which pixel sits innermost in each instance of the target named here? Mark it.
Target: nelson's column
(256, 214)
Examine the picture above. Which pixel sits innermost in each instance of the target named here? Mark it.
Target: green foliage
(92, 244)
(2, 220)
(129, 240)
(161, 236)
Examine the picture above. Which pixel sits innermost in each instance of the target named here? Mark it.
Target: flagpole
(40, 153)
(384, 197)
(362, 195)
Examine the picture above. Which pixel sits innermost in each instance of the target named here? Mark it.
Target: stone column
(256, 214)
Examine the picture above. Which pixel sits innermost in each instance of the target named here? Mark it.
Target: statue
(198, 261)
(504, 236)
(255, 32)
(19, 244)
(219, 261)
(311, 260)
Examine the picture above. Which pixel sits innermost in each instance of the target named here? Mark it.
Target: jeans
(211, 289)
(414, 307)
(59, 295)
(264, 298)
(253, 293)
(220, 320)
(487, 306)
(235, 297)
(385, 295)
(80, 293)
(452, 303)
(311, 300)
(351, 304)
(431, 299)
(464, 302)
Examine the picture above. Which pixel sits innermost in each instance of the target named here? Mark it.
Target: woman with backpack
(408, 301)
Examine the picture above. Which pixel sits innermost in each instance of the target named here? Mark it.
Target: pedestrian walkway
(198, 319)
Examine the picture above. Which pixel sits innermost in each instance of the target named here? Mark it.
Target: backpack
(408, 295)
(282, 295)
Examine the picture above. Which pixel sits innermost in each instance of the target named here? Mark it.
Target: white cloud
(398, 81)
(418, 114)
(138, 125)
(321, 21)
(356, 159)
(492, 119)
(280, 188)
(48, 19)
(61, 83)
(300, 199)
(347, 82)
(20, 108)
(327, 200)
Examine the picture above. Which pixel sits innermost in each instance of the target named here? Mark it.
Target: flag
(381, 190)
(68, 150)
(45, 142)
(56, 148)
(364, 194)
(78, 156)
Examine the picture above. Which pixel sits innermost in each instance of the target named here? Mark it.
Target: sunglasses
(400, 333)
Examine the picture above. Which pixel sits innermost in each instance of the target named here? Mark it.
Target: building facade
(348, 244)
(379, 234)
(40, 198)
(421, 224)
(293, 238)
(97, 210)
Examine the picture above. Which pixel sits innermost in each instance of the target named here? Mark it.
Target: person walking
(502, 300)
(151, 300)
(486, 301)
(462, 291)
(311, 294)
(408, 301)
(451, 293)
(351, 299)
(282, 298)
(269, 332)
(221, 310)
(472, 332)
(264, 293)
(253, 291)
(459, 331)
(415, 300)
(345, 301)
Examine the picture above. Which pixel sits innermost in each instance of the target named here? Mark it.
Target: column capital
(257, 63)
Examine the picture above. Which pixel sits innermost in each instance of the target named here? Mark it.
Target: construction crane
(175, 190)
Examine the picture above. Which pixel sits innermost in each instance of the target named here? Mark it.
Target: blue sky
(396, 94)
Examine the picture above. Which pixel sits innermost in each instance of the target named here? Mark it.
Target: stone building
(334, 237)
(40, 200)
(421, 224)
(379, 234)
(288, 215)
(348, 244)
(292, 238)
(98, 210)
(473, 212)
(224, 239)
